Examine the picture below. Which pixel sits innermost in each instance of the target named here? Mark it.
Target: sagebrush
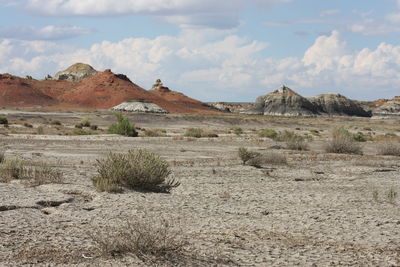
(389, 149)
(139, 169)
(343, 142)
(245, 155)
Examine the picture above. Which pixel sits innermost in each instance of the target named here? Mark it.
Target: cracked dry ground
(318, 210)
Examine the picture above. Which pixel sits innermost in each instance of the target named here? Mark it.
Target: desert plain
(315, 209)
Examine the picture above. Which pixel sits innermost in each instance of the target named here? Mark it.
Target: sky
(212, 50)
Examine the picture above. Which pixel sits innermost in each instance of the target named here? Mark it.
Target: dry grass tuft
(343, 142)
(150, 241)
(246, 155)
(389, 149)
(137, 170)
(270, 158)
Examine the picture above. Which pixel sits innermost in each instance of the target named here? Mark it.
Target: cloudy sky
(212, 50)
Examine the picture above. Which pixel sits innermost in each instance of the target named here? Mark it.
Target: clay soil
(319, 209)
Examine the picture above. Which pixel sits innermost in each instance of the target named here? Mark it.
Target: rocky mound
(234, 107)
(106, 90)
(390, 108)
(338, 105)
(20, 92)
(180, 103)
(76, 73)
(139, 106)
(283, 102)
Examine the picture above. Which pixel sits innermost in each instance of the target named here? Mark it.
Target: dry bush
(194, 132)
(236, 130)
(31, 173)
(389, 149)
(297, 142)
(246, 155)
(269, 133)
(2, 156)
(343, 142)
(148, 240)
(154, 132)
(270, 158)
(137, 170)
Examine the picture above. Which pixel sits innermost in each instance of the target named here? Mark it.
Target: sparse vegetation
(269, 133)
(194, 132)
(137, 170)
(389, 149)
(154, 132)
(32, 173)
(270, 158)
(297, 142)
(85, 122)
(360, 137)
(40, 130)
(237, 130)
(56, 122)
(150, 241)
(2, 156)
(391, 195)
(3, 120)
(27, 125)
(82, 132)
(94, 127)
(123, 127)
(342, 142)
(245, 155)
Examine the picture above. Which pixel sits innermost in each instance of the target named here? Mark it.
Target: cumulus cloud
(50, 32)
(228, 68)
(184, 13)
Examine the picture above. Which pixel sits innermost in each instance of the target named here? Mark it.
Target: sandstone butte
(103, 90)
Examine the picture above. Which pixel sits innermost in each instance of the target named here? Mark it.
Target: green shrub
(123, 127)
(3, 120)
(236, 130)
(269, 133)
(137, 170)
(342, 142)
(389, 149)
(194, 132)
(246, 155)
(85, 122)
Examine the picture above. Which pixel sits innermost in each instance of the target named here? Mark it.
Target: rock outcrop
(283, 102)
(76, 73)
(231, 106)
(338, 105)
(180, 103)
(390, 108)
(140, 106)
(20, 92)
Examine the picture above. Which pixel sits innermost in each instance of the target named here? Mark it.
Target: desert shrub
(94, 127)
(360, 137)
(342, 142)
(3, 120)
(245, 155)
(236, 130)
(122, 126)
(32, 173)
(137, 170)
(85, 122)
(11, 169)
(2, 156)
(210, 135)
(391, 195)
(297, 142)
(82, 132)
(56, 122)
(194, 132)
(285, 136)
(27, 125)
(154, 132)
(78, 126)
(40, 130)
(270, 158)
(149, 240)
(389, 149)
(269, 133)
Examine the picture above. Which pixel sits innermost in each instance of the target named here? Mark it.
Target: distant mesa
(139, 106)
(338, 105)
(286, 102)
(283, 102)
(76, 73)
(389, 108)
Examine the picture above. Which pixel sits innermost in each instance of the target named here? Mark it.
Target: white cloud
(329, 12)
(184, 13)
(373, 27)
(50, 32)
(227, 68)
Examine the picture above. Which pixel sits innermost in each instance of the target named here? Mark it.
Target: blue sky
(212, 50)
